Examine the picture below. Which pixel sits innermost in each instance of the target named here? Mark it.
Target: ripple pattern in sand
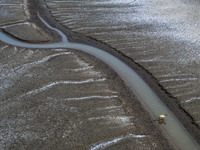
(15, 20)
(148, 32)
(13, 12)
(54, 98)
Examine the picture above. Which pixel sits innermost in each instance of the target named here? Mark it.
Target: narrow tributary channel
(173, 128)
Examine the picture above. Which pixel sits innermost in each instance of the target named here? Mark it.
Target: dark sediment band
(171, 102)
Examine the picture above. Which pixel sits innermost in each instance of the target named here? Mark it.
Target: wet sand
(17, 20)
(163, 72)
(85, 106)
(120, 111)
(58, 98)
(148, 33)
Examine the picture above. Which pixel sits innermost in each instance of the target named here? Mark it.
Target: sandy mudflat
(163, 51)
(149, 33)
(58, 98)
(53, 99)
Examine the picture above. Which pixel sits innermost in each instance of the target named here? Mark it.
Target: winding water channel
(173, 129)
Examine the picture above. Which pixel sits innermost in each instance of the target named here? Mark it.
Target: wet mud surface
(58, 98)
(16, 21)
(148, 32)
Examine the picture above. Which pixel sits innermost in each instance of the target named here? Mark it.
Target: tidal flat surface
(16, 21)
(163, 37)
(57, 99)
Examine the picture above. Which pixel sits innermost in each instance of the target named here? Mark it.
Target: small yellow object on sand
(161, 119)
(163, 116)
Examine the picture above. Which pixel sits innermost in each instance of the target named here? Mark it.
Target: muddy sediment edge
(33, 10)
(170, 101)
(131, 105)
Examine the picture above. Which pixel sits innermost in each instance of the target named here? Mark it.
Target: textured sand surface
(16, 21)
(57, 99)
(161, 36)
